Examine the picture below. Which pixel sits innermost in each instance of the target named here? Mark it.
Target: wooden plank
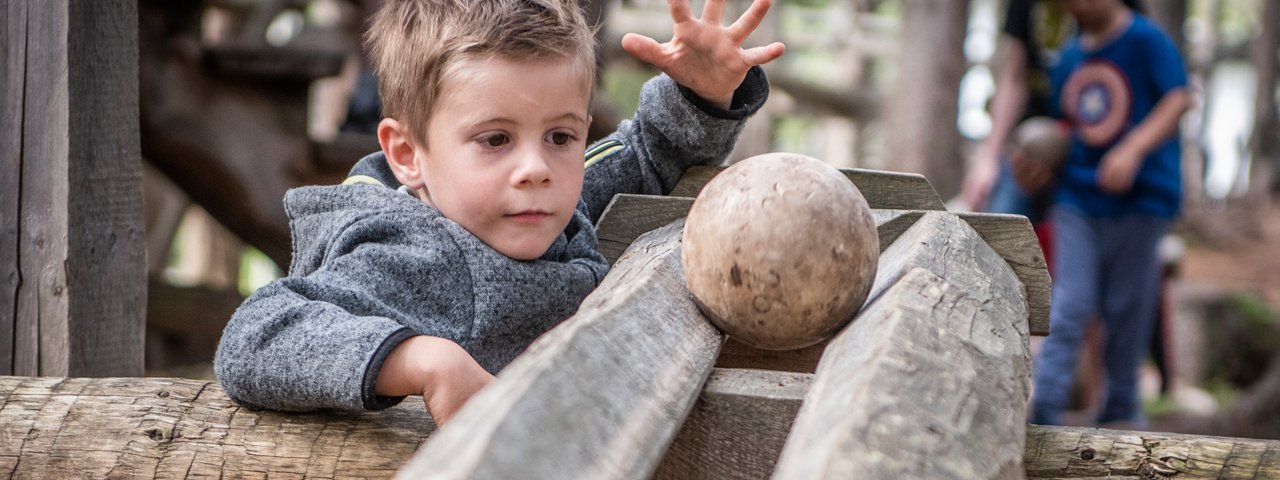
(600, 396)
(82, 299)
(42, 300)
(886, 190)
(738, 426)
(13, 32)
(1012, 237)
(931, 379)
(176, 428)
(735, 354)
(1075, 452)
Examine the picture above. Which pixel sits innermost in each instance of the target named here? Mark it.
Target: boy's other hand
(438, 369)
(1118, 168)
(703, 55)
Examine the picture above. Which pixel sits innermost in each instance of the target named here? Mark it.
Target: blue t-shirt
(1104, 93)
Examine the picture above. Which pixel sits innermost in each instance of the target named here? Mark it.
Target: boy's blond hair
(415, 45)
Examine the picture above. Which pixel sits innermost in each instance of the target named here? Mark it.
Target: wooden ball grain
(780, 251)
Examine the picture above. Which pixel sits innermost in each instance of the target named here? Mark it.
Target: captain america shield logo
(1097, 99)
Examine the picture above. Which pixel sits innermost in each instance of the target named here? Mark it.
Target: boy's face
(504, 152)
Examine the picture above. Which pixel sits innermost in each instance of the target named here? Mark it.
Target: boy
(1122, 86)
(443, 256)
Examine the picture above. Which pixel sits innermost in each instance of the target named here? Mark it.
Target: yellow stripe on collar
(602, 151)
(354, 179)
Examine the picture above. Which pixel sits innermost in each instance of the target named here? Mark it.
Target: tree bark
(1264, 142)
(922, 105)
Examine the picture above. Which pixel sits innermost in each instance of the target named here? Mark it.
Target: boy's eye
(495, 140)
(561, 138)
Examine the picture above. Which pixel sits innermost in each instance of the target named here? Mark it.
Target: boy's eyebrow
(507, 120)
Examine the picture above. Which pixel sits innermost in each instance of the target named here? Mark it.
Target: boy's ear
(400, 150)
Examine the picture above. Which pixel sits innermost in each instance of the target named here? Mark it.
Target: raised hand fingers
(680, 10)
(644, 48)
(713, 11)
(749, 20)
(763, 55)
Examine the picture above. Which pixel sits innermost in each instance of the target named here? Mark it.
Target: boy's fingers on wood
(680, 10)
(765, 54)
(750, 19)
(644, 48)
(713, 11)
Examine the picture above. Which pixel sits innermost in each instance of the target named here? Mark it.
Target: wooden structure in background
(929, 381)
(71, 248)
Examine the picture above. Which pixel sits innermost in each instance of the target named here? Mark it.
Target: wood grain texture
(931, 380)
(600, 396)
(888, 190)
(42, 308)
(1074, 452)
(13, 34)
(737, 427)
(176, 428)
(82, 293)
(106, 251)
(1011, 236)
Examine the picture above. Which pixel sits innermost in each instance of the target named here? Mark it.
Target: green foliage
(620, 84)
(1254, 309)
(256, 270)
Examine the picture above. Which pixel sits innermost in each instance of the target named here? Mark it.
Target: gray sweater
(373, 265)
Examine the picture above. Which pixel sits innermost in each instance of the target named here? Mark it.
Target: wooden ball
(780, 251)
(1042, 140)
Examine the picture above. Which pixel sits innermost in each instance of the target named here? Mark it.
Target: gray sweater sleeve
(318, 340)
(672, 130)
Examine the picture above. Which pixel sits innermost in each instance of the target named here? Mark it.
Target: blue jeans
(1007, 197)
(1105, 267)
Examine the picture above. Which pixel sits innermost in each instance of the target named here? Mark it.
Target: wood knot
(158, 435)
(163, 394)
(1087, 454)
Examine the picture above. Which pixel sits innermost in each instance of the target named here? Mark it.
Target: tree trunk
(922, 105)
(1264, 142)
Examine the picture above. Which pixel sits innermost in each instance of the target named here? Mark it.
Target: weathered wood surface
(887, 190)
(600, 396)
(82, 291)
(931, 379)
(1074, 452)
(176, 428)
(13, 34)
(1011, 236)
(737, 427)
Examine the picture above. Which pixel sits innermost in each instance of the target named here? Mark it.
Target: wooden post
(600, 396)
(930, 381)
(78, 300)
(13, 35)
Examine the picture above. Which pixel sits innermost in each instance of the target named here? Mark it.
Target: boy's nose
(534, 169)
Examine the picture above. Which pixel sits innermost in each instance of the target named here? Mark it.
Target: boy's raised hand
(703, 55)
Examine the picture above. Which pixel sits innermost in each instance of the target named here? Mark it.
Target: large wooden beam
(931, 379)
(600, 396)
(1011, 236)
(738, 426)
(1074, 452)
(891, 190)
(80, 278)
(175, 428)
(13, 50)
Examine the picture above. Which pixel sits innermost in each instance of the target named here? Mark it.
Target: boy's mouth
(529, 216)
